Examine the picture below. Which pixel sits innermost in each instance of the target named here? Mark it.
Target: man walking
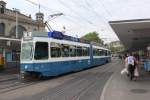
(131, 67)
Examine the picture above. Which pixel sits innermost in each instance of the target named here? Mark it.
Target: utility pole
(16, 10)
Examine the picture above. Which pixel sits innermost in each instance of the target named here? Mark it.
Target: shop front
(9, 54)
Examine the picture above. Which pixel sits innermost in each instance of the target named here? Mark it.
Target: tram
(52, 53)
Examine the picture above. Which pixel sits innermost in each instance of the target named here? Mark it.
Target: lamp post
(16, 10)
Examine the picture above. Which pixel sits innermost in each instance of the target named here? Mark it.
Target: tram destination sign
(27, 36)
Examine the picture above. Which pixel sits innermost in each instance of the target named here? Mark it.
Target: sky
(83, 16)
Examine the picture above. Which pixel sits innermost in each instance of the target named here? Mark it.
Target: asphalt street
(84, 85)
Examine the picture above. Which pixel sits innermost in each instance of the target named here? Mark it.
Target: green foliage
(92, 36)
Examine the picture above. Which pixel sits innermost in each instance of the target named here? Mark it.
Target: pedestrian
(125, 69)
(136, 70)
(126, 61)
(131, 65)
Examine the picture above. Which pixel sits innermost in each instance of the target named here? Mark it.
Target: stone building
(116, 46)
(10, 35)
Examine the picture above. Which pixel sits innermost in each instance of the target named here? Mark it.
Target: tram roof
(57, 35)
(134, 34)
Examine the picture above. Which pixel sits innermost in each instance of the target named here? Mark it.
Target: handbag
(124, 71)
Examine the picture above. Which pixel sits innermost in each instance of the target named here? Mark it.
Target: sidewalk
(119, 87)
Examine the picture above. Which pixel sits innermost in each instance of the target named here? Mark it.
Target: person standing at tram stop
(126, 61)
(132, 65)
(136, 70)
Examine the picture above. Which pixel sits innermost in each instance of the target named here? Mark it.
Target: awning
(134, 34)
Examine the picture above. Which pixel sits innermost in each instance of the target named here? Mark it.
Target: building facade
(116, 46)
(12, 26)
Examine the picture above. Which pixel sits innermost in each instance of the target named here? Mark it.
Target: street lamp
(16, 10)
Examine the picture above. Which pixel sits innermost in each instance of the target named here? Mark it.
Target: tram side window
(106, 53)
(109, 53)
(95, 52)
(65, 50)
(85, 51)
(41, 50)
(72, 51)
(88, 51)
(101, 52)
(79, 51)
(55, 50)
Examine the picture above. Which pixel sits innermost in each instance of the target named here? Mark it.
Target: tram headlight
(26, 66)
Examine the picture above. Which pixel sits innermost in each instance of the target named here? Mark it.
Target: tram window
(109, 53)
(85, 51)
(55, 50)
(72, 51)
(65, 50)
(79, 51)
(106, 53)
(101, 52)
(41, 50)
(88, 51)
(95, 52)
(98, 52)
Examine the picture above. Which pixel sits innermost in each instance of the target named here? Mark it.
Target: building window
(9, 57)
(2, 9)
(2, 29)
(34, 29)
(21, 29)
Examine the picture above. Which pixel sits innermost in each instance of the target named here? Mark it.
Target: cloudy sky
(82, 16)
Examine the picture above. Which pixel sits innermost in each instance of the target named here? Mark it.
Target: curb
(102, 97)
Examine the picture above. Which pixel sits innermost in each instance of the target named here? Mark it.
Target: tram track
(11, 79)
(91, 85)
(82, 84)
(84, 90)
(11, 85)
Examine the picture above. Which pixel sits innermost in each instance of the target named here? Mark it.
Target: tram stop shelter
(134, 34)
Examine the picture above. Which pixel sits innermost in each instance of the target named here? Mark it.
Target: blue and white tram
(45, 55)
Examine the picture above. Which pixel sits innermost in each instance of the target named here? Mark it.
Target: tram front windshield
(26, 53)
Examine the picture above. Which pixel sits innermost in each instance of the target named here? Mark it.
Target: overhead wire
(88, 7)
(105, 21)
(75, 12)
(71, 17)
(44, 7)
(54, 10)
(104, 7)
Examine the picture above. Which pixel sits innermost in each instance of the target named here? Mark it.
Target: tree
(92, 36)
